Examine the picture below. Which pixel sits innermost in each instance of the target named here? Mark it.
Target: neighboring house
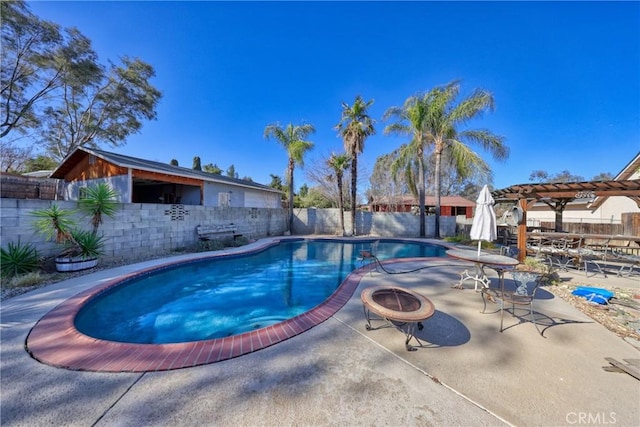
(594, 209)
(449, 205)
(145, 181)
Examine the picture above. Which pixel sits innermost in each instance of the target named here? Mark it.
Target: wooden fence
(629, 226)
(22, 187)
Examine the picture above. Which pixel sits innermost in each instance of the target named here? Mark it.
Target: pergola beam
(557, 195)
(571, 190)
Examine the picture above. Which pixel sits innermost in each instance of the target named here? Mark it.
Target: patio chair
(522, 297)
(367, 256)
(626, 260)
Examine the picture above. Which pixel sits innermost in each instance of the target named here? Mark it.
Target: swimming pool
(54, 340)
(216, 298)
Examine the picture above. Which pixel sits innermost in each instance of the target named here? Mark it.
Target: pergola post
(562, 193)
(558, 224)
(522, 231)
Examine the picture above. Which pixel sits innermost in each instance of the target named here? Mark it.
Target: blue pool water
(228, 296)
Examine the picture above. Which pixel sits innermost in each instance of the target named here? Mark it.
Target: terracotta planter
(66, 264)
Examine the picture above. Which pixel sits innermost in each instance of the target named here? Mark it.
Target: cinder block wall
(146, 228)
(385, 224)
(141, 227)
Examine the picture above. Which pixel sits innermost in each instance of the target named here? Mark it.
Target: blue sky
(565, 75)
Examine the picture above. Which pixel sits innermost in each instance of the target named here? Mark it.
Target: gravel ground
(49, 275)
(621, 316)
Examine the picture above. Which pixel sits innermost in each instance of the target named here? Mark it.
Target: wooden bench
(208, 232)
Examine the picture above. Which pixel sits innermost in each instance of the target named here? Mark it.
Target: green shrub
(465, 240)
(18, 259)
(87, 244)
(458, 238)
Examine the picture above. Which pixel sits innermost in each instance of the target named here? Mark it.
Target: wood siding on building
(173, 179)
(91, 167)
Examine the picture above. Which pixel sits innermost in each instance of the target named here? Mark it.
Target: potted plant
(81, 247)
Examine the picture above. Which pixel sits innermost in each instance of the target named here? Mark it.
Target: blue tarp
(596, 295)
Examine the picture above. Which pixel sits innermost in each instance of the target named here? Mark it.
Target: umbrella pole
(479, 244)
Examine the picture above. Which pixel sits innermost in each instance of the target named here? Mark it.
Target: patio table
(499, 263)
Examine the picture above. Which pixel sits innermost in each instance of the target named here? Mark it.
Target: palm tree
(445, 118)
(354, 128)
(292, 138)
(435, 118)
(340, 163)
(411, 120)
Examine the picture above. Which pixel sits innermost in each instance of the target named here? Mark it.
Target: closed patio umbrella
(484, 220)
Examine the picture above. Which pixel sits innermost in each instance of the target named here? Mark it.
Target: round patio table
(497, 262)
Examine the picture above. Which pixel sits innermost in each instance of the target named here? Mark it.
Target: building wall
(611, 211)
(91, 167)
(613, 207)
(239, 196)
(120, 183)
(190, 195)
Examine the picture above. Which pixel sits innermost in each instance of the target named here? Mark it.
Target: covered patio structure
(557, 195)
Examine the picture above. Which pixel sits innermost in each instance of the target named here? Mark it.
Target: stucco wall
(610, 212)
(238, 196)
(120, 183)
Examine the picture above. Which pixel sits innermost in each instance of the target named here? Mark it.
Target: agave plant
(98, 201)
(18, 259)
(58, 225)
(54, 223)
(84, 244)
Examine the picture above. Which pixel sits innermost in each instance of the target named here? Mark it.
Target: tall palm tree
(340, 163)
(445, 119)
(293, 139)
(411, 120)
(434, 121)
(354, 128)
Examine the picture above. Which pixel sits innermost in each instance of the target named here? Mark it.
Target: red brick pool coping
(55, 341)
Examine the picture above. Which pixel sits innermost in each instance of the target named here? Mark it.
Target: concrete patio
(338, 373)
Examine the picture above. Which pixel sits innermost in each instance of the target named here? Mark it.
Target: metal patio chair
(522, 297)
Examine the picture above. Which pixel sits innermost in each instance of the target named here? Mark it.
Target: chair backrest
(509, 251)
(522, 279)
(371, 252)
